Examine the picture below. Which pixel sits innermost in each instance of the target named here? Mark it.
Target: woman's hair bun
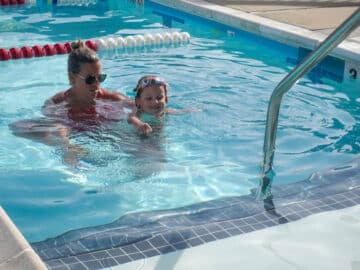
(77, 44)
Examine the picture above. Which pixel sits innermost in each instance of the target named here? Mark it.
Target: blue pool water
(195, 157)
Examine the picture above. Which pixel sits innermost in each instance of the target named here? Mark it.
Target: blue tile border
(142, 235)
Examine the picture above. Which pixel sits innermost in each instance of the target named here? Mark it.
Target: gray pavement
(321, 16)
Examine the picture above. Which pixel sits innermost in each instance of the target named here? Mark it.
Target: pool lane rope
(129, 42)
(11, 2)
(53, 2)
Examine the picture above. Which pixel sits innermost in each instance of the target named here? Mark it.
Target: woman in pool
(85, 76)
(83, 105)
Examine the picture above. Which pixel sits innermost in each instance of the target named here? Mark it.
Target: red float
(60, 48)
(49, 50)
(38, 51)
(4, 2)
(21, 2)
(13, 2)
(4, 55)
(91, 44)
(15, 53)
(27, 52)
(68, 47)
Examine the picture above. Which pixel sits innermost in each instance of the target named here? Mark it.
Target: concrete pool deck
(298, 23)
(310, 21)
(318, 16)
(15, 251)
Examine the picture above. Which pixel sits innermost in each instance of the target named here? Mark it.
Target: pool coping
(15, 252)
(285, 33)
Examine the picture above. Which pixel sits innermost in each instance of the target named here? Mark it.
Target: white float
(138, 41)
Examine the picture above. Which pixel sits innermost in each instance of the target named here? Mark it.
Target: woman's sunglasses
(90, 79)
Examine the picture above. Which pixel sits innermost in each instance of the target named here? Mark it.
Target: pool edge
(16, 253)
(285, 33)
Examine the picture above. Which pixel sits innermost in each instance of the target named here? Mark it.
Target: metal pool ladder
(308, 63)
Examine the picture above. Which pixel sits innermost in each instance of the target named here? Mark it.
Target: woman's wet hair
(80, 54)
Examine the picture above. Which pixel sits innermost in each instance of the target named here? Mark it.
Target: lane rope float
(49, 2)
(109, 43)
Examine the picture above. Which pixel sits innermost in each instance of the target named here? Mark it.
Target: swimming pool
(216, 153)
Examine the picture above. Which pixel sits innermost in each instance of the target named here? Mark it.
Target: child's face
(152, 100)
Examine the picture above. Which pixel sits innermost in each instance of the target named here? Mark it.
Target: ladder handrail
(338, 35)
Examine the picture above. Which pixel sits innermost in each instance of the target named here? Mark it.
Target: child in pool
(151, 98)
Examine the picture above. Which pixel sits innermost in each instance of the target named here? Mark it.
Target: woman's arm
(112, 95)
(50, 105)
(124, 101)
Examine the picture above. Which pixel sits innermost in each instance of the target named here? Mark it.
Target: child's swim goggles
(146, 82)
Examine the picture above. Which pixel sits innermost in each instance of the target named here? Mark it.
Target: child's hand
(145, 128)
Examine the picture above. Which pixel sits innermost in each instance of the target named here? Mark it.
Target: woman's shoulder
(51, 106)
(59, 97)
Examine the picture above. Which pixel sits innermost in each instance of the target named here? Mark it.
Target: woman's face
(152, 100)
(80, 81)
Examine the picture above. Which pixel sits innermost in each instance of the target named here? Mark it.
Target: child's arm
(134, 119)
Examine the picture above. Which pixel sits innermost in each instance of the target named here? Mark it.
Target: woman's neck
(77, 103)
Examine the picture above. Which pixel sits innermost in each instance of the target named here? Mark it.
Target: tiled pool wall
(143, 235)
